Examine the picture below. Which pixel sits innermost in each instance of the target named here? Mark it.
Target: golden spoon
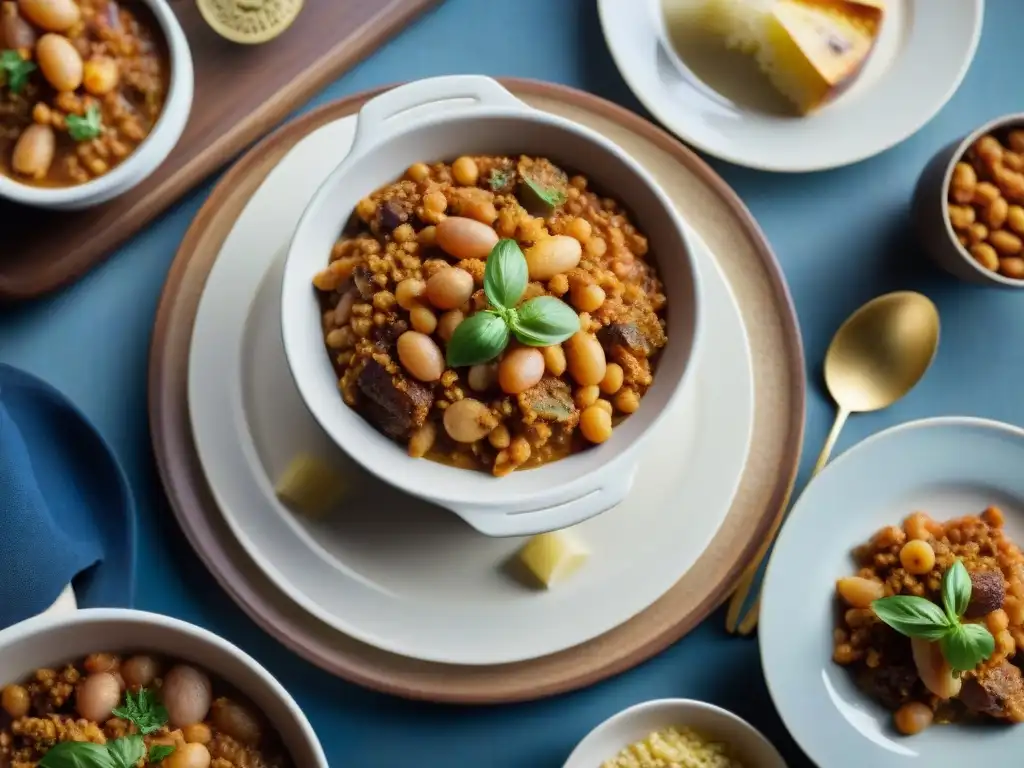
(875, 358)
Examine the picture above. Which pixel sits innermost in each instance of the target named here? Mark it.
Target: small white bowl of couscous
(669, 732)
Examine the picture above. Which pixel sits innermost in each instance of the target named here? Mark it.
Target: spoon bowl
(881, 351)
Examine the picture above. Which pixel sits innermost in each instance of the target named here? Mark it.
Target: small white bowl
(749, 746)
(46, 641)
(148, 156)
(443, 118)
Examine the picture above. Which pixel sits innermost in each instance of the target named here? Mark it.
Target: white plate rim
(209, 316)
(798, 728)
(643, 88)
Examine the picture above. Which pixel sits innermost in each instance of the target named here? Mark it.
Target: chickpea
(587, 298)
(15, 701)
(448, 323)
(423, 320)
(997, 621)
(554, 359)
(520, 369)
(60, 62)
(976, 233)
(580, 229)
(482, 377)
(435, 202)
(465, 171)
(986, 256)
(100, 75)
(984, 193)
(468, 420)
(1015, 219)
(190, 755)
(605, 406)
(519, 451)
(51, 15)
(613, 377)
(961, 216)
(1012, 267)
(499, 437)
(481, 210)
(627, 401)
(559, 285)
(34, 150)
(912, 718)
(1005, 243)
(427, 236)
(1010, 183)
(139, 672)
(962, 183)
(917, 557)
(418, 172)
(449, 288)
(1013, 161)
(587, 396)
(595, 424)
(585, 358)
(422, 440)
(859, 592)
(97, 695)
(596, 247)
(420, 356)
(1016, 140)
(995, 214)
(988, 149)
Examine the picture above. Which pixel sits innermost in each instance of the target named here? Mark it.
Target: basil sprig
(539, 322)
(964, 646)
(144, 712)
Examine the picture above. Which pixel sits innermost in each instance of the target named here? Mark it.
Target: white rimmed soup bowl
(54, 639)
(149, 155)
(441, 119)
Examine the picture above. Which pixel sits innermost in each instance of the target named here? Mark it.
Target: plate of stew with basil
(82, 85)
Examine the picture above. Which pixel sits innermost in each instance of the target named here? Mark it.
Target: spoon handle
(745, 586)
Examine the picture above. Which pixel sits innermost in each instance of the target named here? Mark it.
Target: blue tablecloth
(842, 237)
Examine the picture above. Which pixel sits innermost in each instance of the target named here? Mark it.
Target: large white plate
(394, 571)
(922, 54)
(948, 467)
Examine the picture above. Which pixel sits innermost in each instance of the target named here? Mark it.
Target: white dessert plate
(922, 54)
(397, 572)
(947, 467)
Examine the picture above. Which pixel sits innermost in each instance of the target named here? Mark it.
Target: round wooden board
(726, 226)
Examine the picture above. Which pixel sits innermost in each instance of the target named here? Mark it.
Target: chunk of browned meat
(998, 692)
(393, 214)
(395, 403)
(627, 336)
(987, 593)
(549, 400)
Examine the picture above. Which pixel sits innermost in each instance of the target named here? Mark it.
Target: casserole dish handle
(500, 522)
(384, 115)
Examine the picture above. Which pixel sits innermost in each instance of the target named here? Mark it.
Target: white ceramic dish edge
(523, 503)
(50, 639)
(149, 155)
(751, 747)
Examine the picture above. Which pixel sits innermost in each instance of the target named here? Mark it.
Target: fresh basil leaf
(913, 616)
(78, 754)
(477, 339)
(552, 196)
(158, 752)
(127, 751)
(544, 321)
(85, 128)
(966, 646)
(506, 274)
(956, 590)
(14, 70)
(143, 710)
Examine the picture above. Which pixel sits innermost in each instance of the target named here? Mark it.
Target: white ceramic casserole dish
(481, 117)
(50, 640)
(149, 155)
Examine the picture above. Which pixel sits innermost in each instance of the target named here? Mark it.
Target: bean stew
(82, 84)
(139, 709)
(492, 312)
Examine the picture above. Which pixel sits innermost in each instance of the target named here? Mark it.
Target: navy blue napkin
(41, 549)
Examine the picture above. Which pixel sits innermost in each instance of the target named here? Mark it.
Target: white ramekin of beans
(490, 307)
(969, 205)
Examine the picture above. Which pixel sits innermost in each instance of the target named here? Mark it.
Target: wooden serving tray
(241, 92)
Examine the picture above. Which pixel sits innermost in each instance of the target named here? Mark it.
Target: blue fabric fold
(42, 549)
